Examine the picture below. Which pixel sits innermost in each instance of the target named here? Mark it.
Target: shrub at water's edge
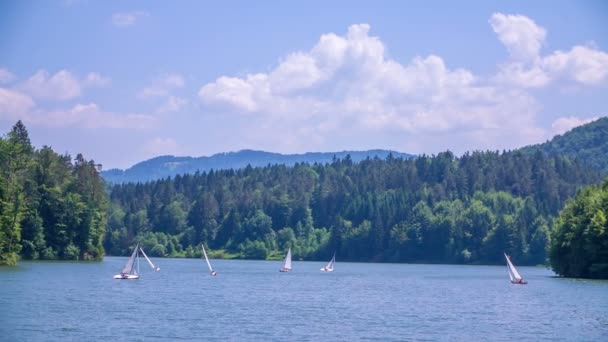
(579, 245)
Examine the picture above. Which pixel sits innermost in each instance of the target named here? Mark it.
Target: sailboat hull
(126, 276)
(285, 270)
(519, 282)
(325, 269)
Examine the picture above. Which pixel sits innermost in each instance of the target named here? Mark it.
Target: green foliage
(429, 209)
(15, 161)
(441, 208)
(579, 240)
(50, 207)
(253, 250)
(586, 143)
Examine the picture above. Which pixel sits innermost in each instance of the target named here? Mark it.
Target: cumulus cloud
(126, 19)
(6, 76)
(348, 86)
(564, 124)
(14, 105)
(582, 64)
(527, 68)
(240, 93)
(520, 35)
(61, 86)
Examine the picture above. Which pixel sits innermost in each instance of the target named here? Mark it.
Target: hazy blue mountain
(168, 166)
(587, 143)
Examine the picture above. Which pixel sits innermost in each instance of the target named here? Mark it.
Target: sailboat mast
(138, 263)
(155, 268)
(206, 258)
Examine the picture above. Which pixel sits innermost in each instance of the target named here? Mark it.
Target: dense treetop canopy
(51, 206)
(579, 247)
(433, 208)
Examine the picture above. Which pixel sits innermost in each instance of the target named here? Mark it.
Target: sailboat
(513, 274)
(131, 269)
(286, 262)
(330, 265)
(213, 273)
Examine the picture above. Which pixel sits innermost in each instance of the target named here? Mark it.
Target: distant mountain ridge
(169, 166)
(588, 143)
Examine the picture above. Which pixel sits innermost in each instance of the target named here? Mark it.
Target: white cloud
(61, 86)
(298, 71)
(346, 86)
(529, 69)
(520, 34)
(126, 19)
(173, 104)
(564, 124)
(6, 76)
(524, 76)
(14, 105)
(163, 86)
(240, 93)
(583, 64)
(91, 116)
(162, 146)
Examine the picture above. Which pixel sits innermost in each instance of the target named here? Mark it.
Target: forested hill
(433, 209)
(168, 166)
(51, 206)
(588, 143)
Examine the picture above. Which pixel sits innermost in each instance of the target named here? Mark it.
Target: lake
(251, 300)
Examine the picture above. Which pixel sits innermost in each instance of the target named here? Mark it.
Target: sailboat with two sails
(131, 269)
(213, 273)
(515, 277)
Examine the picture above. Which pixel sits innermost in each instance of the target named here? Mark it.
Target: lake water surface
(251, 300)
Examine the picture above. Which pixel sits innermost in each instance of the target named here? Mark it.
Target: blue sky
(123, 81)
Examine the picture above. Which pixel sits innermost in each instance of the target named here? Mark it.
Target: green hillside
(440, 208)
(588, 143)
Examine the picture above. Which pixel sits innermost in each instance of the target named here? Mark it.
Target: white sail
(129, 272)
(513, 274)
(149, 261)
(330, 265)
(206, 258)
(287, 261)
(129, 266)
(510, 274)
